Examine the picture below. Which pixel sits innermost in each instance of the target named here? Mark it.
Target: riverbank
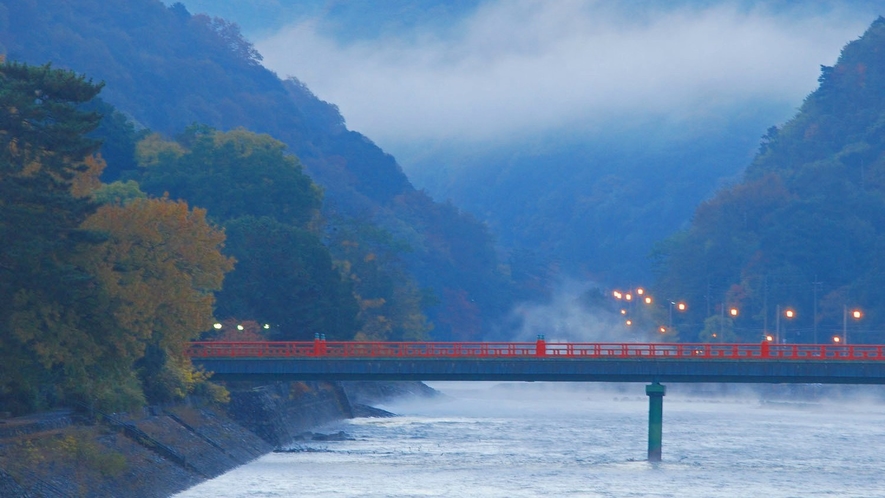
(166, 449)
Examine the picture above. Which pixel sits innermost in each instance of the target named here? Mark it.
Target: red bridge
(543, 361)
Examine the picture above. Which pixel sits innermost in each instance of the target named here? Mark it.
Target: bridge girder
(549, 370)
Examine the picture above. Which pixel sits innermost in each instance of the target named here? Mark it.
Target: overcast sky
(522, 66)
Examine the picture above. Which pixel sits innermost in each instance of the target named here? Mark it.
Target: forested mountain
(805, 228)
(166, 70)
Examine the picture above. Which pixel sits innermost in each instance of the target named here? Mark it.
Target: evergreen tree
(48, 334)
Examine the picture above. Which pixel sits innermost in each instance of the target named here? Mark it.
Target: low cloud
(519, 67)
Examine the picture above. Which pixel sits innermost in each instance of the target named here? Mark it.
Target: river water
(514, 440)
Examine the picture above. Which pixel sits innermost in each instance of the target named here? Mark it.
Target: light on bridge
(216, 326)
(733, 312)
(681, 306)
(837, 339)
(647, 300)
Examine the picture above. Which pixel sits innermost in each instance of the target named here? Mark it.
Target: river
(514, 440)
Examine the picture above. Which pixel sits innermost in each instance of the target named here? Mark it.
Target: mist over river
(539, 439)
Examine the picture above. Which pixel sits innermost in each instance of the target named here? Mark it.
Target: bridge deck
(567, 362)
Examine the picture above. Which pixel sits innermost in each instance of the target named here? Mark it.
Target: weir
(545, 361)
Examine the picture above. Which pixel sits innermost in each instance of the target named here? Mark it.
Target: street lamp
(679, 306)
(788, 313)
(856, 314)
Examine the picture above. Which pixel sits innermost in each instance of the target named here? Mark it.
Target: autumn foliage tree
(159, 266)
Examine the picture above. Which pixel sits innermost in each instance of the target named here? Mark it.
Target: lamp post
(788, 313)
(679, 306)
(856, 314)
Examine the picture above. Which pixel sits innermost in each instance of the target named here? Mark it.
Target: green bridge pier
(655, 393)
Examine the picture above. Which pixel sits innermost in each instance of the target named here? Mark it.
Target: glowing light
(769, 338)
(266, 326)
(647, 300)
(640, 291)
(856, 314)
(239, 327)
(837, 339)
(628, 296)
(623, 312)
(217, 326)
(733, 312)
(681, 307)
(629, 322)
(789, 313)
(663, 330)
(617, 295)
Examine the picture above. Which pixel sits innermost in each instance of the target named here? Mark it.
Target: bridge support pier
(655, 393)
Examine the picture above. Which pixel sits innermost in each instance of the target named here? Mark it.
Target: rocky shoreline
(166, 449)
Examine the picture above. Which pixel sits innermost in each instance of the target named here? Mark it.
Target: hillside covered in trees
(805, 228)
(97, 300)
(165, 70)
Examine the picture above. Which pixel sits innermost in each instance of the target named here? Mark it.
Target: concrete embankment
(166, 449)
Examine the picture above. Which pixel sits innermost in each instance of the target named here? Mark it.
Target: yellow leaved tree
(159, 266)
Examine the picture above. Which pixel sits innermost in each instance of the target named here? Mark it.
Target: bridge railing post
(541, 346)
(319, 344)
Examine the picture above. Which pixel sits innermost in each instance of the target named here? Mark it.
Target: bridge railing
(341, 349)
